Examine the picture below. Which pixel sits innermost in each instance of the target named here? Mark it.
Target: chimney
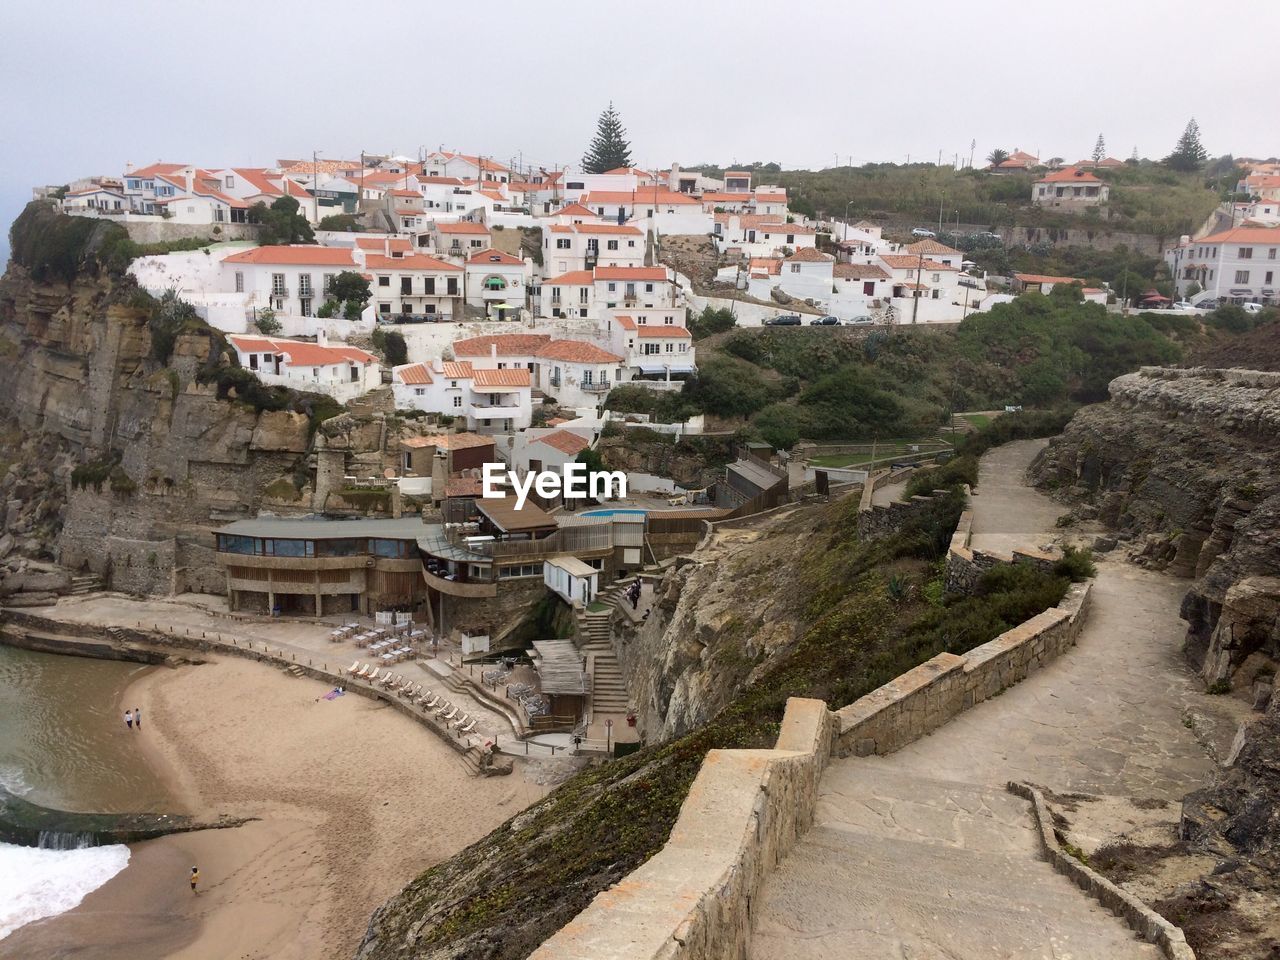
(322, 337)
(189, 179)
(493, 352)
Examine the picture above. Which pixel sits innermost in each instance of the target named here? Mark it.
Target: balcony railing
(602, 386)
(279, 291)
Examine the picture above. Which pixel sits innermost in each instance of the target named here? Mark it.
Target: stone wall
(692, 900)
(924, 698)
(157, 231)
(965, 566)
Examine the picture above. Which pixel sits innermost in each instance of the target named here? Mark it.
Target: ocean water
(63, 744)
(36, 883)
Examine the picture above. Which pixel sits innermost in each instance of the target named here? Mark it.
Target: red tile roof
(1042, 278)
(384, 243)
(416, 261)
(152, 170)
(566, 442)
(625, 322)
(462, 226)
(463, 487)
(449, 441)
(508, 344)
(513, 377)
(1069, 175)
(495, 257)
(295, 255)
(903, 261)
(641, 195)
(859, 271)
(810, 255)
(1244, 235)
(577, 351)
(456, 369)
(302, 354)
(933, 247)
(612, 228)
(662, 330)
(413, 373)
(573, 210)
(631, 273)
(574, 278)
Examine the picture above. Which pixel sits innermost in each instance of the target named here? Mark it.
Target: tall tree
(610, 147)
(1100, 150)
(1189, 154)
(997, 156)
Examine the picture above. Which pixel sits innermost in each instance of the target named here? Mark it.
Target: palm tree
(997, 156)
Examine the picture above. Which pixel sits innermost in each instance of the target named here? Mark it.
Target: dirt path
(922, 853)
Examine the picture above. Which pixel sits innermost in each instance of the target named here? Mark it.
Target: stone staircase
(595, 638)
(86, 583)
(910, 866)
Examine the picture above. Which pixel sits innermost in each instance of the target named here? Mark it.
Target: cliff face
(1185, 461)
(121, 465)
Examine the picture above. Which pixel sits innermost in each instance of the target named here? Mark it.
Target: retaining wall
(926, 697)
(692, 900)
(965, 566)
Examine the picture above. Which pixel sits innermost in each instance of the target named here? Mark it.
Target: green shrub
(391, 344)
(1076, 565)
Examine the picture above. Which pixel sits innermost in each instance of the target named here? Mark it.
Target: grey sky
(87, 86)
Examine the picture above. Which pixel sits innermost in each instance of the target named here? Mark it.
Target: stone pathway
(923, 854)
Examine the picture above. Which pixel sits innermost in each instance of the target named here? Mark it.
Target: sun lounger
(445, 705)
(429, 703)
(398, 682)
(351, 670)
(463, 718)
(450, 715)
(471, 725)
(362, 673)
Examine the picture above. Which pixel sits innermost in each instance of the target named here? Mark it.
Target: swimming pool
(613, 513)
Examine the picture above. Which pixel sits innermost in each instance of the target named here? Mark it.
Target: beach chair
(471, 725)
(351, 670)
(362, 673)
(411, 690)
(462, 719)
(385, 679)
(398, 683)
(429, 702)
(444, 706)
(450, 715)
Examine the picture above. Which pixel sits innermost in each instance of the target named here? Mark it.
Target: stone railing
(745, 811)
(924, 698)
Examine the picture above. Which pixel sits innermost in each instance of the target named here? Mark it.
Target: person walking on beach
(195, 878)
(137, 718)
(128, 719)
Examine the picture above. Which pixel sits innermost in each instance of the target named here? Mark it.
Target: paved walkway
(923, 854)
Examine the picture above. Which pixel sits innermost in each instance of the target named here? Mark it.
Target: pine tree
(1100, 150)
(1189, 154)
(609, 148)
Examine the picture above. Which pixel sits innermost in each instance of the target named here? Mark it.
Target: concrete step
(910, 866)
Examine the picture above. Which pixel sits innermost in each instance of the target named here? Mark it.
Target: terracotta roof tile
(631, 273)
(652, 330)
(413, 373)
(416, 261)
(456, 369)
(302, 354)
(508, 344)
(859, 271)
(810, 255)
(462, 226)
(577, 351)
(496, 258)
(512, 377)
(449, 441)
(566, 442)
(299, 255)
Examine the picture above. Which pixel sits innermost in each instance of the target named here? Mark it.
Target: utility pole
(972, 146)
(915, 303)
(940, 199)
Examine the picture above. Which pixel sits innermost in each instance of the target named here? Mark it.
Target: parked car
(1207, 303)
(922, 232)
(784, 320)
(1253, 307)
(827, 321)
(863, 319)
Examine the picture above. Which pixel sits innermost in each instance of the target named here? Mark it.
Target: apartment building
(340, 371)
(1239, 265)
(489, 400)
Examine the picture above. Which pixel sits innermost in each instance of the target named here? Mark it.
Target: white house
(286, 279)
(461, 239)
(633, 287)
(855, 282)
(497, 282)
(570, 294)
(97, 199)
(807, 274)
(761, 235)
(923, 277)
(1070, 187)
(655, 346)
(1241, 265)
(572, 213)
(581, 246)
(491, 401)
(414, 285)
(341, 371)
(447, 163)
(649, 207)
(578, 373)
(938, 252)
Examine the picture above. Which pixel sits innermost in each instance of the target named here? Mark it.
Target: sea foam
(37, 883)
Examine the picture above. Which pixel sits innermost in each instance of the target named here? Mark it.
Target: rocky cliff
(1185, 462)
(126, 442)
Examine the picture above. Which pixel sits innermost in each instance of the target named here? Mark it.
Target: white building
(497, 282)
(98, 199)
(490, 400)
(655, 346)
(341, 371)
(1070, 187)
(761, 235)
(581, 246)
(286, 279)
(461, 239)
(1241, 265)
(414, 285)
(447, 163)
(578, 373)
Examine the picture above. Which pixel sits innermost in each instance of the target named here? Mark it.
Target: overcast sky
(87, 86)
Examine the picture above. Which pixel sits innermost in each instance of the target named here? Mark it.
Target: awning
(683, 368)
(652, 368)
(503, 306)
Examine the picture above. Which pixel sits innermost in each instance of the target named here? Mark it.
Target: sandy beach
(352, 799)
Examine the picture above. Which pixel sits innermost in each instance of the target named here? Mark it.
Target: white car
(1253, 307)
(922, 232)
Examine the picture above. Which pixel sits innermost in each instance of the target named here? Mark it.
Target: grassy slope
(867, 616)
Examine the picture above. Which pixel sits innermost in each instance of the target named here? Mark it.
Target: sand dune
(354, 800)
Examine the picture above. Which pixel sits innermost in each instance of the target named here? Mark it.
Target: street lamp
(846, 219)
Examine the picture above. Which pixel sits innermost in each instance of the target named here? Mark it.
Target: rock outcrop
(1184, 463)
